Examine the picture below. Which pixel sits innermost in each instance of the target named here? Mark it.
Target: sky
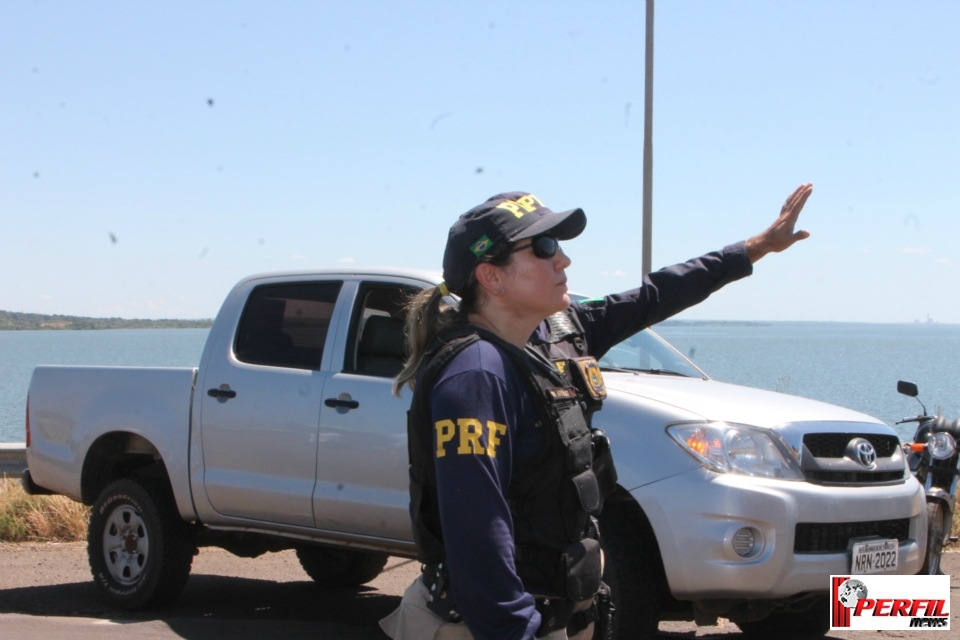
(153, 154)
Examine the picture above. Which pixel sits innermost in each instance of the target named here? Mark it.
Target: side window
(286, 325)
(377, 345)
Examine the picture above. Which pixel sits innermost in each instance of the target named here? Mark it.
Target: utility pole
(648, 146)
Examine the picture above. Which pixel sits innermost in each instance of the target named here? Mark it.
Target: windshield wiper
(661, 372)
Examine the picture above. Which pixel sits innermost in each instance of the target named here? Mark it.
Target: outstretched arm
(781, 234)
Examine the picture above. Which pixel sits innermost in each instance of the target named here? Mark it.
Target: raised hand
(781, 235)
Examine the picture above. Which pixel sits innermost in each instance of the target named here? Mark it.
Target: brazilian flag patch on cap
(481, 246)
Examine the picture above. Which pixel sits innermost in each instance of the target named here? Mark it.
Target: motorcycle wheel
(935, 522)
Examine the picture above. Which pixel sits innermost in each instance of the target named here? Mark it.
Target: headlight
(941, 445)
(737, 449)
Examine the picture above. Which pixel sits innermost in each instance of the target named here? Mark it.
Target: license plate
(874, 556)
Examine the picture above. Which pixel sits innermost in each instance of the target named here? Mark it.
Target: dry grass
(25, 518)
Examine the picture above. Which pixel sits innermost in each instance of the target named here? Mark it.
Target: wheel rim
(126, 544)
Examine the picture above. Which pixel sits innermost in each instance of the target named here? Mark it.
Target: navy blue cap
(501, 220)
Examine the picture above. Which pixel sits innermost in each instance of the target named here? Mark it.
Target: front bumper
(696, 514)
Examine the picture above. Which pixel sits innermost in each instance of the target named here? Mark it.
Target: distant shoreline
(16, 321)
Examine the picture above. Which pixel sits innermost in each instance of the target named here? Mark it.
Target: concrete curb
(13, 458)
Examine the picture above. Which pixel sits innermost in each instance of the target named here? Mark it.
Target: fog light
(744, 542)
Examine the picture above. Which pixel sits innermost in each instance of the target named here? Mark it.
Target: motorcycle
(935, 462)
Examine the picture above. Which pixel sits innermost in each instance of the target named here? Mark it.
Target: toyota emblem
(866, 454)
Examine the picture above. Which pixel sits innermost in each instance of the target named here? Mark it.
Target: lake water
(849, 364)
(21, 351)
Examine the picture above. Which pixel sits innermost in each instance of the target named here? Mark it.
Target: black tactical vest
(566, 348)
(552, 496)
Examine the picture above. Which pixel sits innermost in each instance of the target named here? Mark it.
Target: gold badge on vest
(585, 374)
(592, 378)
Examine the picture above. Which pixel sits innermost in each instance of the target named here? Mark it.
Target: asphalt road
(46, 591)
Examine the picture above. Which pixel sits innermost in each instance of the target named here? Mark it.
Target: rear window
(286, 325)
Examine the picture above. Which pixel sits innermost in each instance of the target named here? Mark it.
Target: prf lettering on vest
(521, 206)
(469, 433)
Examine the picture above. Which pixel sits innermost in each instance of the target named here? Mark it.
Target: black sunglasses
(543, 247)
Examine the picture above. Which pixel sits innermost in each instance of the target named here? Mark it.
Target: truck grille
(853, 477)
(846, 454)
(831, 537)
(830, 458)
(833, 445)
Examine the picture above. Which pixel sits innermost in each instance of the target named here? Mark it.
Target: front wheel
(632, 571)
(935, 527)
(140, 550)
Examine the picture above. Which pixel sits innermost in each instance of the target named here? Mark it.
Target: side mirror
(907, 389)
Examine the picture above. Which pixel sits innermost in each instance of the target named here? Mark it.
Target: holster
(580, 567)
(603, 466)
(601, 614)
(582, 561)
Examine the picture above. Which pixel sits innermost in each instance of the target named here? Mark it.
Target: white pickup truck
(732, 501)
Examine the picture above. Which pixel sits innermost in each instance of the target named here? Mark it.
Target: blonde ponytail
(426, 316)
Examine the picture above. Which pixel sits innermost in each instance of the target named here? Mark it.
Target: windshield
(646, 351)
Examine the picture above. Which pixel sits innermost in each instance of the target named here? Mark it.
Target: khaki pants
(413, 621)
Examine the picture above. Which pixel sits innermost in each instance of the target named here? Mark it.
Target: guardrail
(13, 458)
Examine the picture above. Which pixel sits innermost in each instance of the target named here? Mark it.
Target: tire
(632, 571)
(140, 550)
(935, 526)
(815, 621)
(340, 567)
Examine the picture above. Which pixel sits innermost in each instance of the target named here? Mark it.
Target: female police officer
(505, 472)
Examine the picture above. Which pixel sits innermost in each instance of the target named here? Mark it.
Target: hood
(720, 401)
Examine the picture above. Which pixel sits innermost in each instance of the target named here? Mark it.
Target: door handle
(337, 402)
(221, 393)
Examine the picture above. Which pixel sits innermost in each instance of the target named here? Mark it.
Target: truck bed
(68, 402)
